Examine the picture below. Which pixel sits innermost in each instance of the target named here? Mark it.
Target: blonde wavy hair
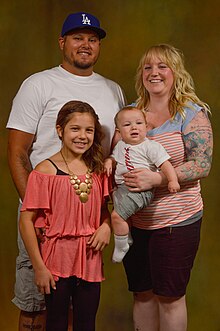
(183, 87)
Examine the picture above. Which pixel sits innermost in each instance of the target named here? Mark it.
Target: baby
(134, 150)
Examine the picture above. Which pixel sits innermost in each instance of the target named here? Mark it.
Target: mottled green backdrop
(28, 37)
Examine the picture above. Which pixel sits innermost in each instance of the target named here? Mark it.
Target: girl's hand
(100, 238)
(44, 280)
(143, 179)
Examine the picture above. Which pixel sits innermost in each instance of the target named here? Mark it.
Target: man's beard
(79, 64)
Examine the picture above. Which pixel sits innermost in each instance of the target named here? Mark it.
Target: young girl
(66, 200)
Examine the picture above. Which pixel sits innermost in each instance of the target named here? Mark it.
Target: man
(32, 134)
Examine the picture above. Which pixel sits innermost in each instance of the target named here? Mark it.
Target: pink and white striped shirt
(169, 209)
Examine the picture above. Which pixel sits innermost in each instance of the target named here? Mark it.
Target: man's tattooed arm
(19, 144)
(198, 141)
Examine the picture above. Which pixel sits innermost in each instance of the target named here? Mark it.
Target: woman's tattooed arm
(198, 142)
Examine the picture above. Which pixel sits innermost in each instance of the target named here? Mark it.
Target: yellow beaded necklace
(82, 189)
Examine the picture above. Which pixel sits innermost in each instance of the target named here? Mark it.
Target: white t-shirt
(148, 154)
(41, 96)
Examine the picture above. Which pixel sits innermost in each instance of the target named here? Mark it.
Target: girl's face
(158, 78)
(78, 134)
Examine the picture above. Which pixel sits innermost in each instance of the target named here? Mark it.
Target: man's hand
(44, 280)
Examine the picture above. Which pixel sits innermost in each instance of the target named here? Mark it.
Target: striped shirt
(169, 209)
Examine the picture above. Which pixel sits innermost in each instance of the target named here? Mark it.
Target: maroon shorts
(161, 260)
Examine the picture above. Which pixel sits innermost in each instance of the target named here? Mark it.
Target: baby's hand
(108, 166)
(173, 186)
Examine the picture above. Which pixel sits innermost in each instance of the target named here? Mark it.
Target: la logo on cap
(82, 20)
(85, 19)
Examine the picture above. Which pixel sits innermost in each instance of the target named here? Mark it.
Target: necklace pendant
(83, 197)
(73, 177)
(83, 187)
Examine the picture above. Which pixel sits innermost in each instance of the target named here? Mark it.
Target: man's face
(80, 51)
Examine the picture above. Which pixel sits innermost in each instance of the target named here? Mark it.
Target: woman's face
(158, 78)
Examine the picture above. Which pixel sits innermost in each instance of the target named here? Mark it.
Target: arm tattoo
(25, 163)
(198, 149)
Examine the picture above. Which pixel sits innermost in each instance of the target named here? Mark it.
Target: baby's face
(132, 126)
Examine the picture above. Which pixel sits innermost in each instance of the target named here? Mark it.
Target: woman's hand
(143, 179)
(44, 280)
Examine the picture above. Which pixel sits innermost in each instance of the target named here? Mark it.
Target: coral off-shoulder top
(68, 223)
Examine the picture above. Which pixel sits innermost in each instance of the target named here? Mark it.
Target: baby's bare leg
(121, 237)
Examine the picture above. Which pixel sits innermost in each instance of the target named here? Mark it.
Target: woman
(166, 234)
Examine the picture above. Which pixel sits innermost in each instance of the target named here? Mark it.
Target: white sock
(130, 239)
(121, 248)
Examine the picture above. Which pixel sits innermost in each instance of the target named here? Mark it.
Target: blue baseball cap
(82, 20)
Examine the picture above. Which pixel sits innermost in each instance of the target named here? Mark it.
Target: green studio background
(28, 32)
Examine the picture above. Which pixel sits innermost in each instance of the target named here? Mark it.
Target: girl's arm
(43, 278)
(101, 237)
(198, 141)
